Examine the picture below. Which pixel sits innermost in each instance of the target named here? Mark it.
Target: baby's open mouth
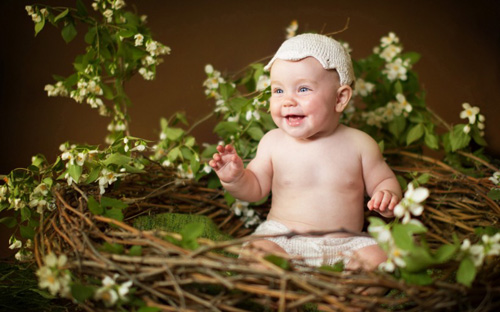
(294, 120)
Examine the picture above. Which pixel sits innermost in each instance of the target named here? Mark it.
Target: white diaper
(314, 250)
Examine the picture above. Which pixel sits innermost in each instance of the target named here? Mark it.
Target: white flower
(151, 46)
(495, 178)
(403, 103)
(388, 40)
(166, 163)
(110, 292)
(207, 168)
(209, 69)
(39, 204)
(394, 259)
(346, 46)
(466, 129)
(249, 114)
(139, 39)
(263, 83)
(118, 4)
(390, 52)
(411, 203)
(475, 252)
(80, 158)
(29, 9)
(54, 276)
(396, 70)
(363, 88)
(213, 81)
(469, 112)
(146, 74)
(14, 243)
(239, 207)
(3, 192)
(107, 178)
(491, 244)
(18, 203)
(108, 14)
(381, 233)
(185, 173)
(292, 29)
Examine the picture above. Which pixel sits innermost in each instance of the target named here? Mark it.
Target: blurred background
(459, 42)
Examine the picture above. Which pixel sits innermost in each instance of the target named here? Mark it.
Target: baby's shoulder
(359, 138)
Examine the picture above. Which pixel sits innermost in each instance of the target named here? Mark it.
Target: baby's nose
(289, 102)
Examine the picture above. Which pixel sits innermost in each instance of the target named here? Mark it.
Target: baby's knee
(367, 258)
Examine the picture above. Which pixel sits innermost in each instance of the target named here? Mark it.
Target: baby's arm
(380, 182)
(249, 184)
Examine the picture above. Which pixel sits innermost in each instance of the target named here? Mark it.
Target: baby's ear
(344, 94)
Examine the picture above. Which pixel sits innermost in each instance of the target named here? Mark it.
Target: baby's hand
(227, 164)
(384, 202)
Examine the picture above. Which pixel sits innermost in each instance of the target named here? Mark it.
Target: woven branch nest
(176, 279)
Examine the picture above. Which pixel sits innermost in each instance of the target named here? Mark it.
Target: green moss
(175, 222)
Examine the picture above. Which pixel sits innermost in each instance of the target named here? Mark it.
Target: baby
(318, 169)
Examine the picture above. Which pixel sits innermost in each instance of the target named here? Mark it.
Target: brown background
(459, 42)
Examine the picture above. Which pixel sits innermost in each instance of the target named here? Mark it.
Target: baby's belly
(310, 214)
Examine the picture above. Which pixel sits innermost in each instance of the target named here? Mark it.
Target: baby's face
(303, 98)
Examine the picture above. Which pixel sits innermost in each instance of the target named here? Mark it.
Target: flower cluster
(36, 14)
(56, 90)
(475, 118)
(24, 252)
(389, 50)
(110, 293)
(247, 214)
(411, 204)
(382, 233)
(387, 113)
(488, 246)
(54, 275)
(155, 49)
(211, 84)
(108, 8)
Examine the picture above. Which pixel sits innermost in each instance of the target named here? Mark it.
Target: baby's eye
(303, 89)
(277, 90)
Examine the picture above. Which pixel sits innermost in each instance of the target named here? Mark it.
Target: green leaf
(445, 253)
(476, 135)
(466, 272)
(93, 175)
(90, 36)
(39, 26)
(27, 232)
(81, 292)
(398, 88)
(61, 15)
(397, 126)
(75, 172)
(494, 194)
(114, 213)
(112, 202)
(135, 251)
(414, 134)
(255, 133)
(148, 309)
(113, 248)
(226, 128)
(94, 206)
(173, 134)
(25, 213)
(81, 9)
(337, 267)
(192, 231)
(190, 141)
(117, 159)
(458, 138)
(431, 140)
(174, 154)
(69, 32)
(418, 260)
(402, 182)
(402, 236)
(9, 222)
(421, 278)
(278, 261)
(423, 179)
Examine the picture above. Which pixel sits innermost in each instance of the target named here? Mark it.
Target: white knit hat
(330, 53)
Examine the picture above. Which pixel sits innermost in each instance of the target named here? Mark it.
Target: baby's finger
(385, 201)
(220, 148)
(394, 202)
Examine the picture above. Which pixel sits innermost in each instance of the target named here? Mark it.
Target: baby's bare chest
(320, 167)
